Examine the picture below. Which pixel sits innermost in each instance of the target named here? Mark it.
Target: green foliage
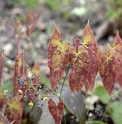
(8, 85)
(113, 8)
(74, 102)
(29, 3)
(115, 110)
(94, 122)
(101, 92)
(56, 5)
(31, 115)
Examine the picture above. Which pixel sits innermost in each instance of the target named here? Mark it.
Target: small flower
(45, 98)
(20, 92)
(30, 75)
(31, 104)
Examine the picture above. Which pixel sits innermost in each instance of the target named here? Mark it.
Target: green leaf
(115, 110)
(101, 92)
(8, 85)
(94, 122)
(31, 115)
(74, 102)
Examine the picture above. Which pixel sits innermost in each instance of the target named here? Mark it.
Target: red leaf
(79, 60)
(17, 25)
(107, 69)
(1, 97)
(1, 64)
(56, 110)
(18, 70)
(31, 20)
(3, 120)
(36, 71)
(117, 47)
(14, 110)
(92, 48)
(32, 77)
(57, 58)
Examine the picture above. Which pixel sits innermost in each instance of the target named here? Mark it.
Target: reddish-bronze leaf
(1, 64)
(36, 72)
(117, 44)
(79, 60)
(56, 110)
(92, 48)
(117, 47)
(31, 20)
(1, 68)
(17, 25)
(107, 69)
(1, 97)
(18, 70)
(57, 58)
(32, 77)
(3, 120)
(14, 110)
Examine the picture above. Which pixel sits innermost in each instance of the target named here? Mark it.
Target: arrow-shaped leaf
(117, 46)
(14, 110)
(1, 64)
(56, 110)
(36, 71)
(79, 60)
(57, 58)
(18, 70)
(107, 69)
(92, 48)
(1, 97)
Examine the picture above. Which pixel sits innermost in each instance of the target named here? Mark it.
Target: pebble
(8, 48)
(45, 69)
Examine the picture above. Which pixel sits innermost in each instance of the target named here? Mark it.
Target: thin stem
(64, 79)
(32, 49)
(40, 79)
(64, 119)
(115, 94)
(36, 75)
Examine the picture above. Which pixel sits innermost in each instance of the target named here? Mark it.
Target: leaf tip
(117, 32)
(88, 22)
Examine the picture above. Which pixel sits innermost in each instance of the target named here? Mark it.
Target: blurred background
(70, 16)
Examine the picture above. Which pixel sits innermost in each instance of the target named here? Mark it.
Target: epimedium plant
(82, 61)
